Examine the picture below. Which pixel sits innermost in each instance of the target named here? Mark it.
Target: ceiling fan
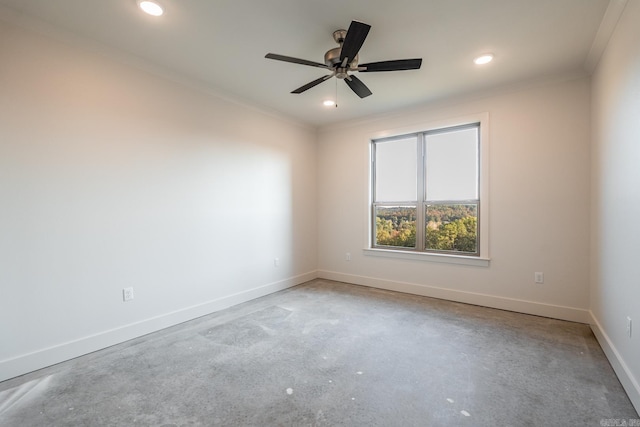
(344, 59)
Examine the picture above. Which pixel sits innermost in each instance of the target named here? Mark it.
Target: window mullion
(420, 208)
(372, 214)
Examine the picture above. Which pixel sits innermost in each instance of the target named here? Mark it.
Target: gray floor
(331, 354)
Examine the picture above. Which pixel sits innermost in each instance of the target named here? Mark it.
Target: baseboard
(521, 306)
(628, 381)
(26, 363)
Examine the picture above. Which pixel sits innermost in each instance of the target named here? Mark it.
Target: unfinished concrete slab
(332, 354)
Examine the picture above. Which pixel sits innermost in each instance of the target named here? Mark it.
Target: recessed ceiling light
(483, 59)
(328, 103)
(151, 7)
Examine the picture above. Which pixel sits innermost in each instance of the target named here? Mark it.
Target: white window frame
(482, 258)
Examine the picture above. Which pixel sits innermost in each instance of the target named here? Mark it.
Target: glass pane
(396, 226)
(452, 165)
(396, 169)
(452, 228)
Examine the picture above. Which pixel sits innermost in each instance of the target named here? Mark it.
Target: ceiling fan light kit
(343, 60)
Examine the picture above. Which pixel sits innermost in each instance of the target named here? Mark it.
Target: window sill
(428, 257)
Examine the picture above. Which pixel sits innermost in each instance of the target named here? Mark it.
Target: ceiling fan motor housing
(332, 58)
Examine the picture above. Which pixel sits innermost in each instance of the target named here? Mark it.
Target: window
(426, 192)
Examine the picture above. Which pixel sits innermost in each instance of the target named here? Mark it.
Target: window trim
(482, 257)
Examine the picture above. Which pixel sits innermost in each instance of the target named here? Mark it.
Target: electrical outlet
(629, 326)
(538, 277)
(127, 294)
(347, 257)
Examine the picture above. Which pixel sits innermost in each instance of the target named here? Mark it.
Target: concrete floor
(331, 354)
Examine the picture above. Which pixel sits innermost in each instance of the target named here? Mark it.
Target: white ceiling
(221, 44)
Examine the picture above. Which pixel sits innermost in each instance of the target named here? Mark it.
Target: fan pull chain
(336, 92)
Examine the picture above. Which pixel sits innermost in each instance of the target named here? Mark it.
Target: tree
(459, 235)
(448, 228)
(402, 233)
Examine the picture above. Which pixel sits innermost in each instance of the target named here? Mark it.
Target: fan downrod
(332, 57)
(339, 35)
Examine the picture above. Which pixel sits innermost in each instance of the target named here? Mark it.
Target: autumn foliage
(448, 227)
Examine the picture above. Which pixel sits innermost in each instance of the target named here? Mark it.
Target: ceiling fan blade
(396, 65)
(356, 34)
(312, 84)
(357, 86)
(296, 60)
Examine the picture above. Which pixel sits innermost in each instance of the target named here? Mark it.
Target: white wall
(539, 201)
(615, 279)
(111, 177)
